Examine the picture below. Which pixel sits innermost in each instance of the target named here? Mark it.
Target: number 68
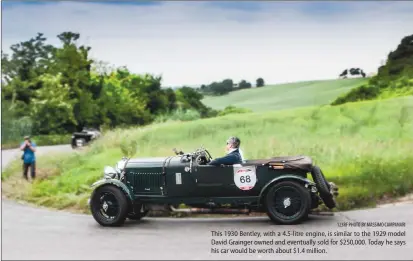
(245, 178)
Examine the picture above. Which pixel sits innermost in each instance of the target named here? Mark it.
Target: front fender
(114, 182)
(281, 178)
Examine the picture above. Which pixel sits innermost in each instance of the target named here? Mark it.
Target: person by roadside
(29, 158)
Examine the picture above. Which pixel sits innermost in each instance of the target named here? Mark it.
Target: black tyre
(138, 214)
(323, 187)
(109, 206)
(288, 203)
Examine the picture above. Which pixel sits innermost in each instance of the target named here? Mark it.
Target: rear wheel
(288, 203)
(109, 206)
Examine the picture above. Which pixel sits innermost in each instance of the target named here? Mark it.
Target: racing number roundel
(245, 177)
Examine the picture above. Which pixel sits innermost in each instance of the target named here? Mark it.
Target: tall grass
(178, 115)
(366, 148)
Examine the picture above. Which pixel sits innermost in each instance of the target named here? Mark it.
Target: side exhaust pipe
(211, 210)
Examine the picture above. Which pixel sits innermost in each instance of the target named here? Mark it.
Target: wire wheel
(109, 206)
(288, 202)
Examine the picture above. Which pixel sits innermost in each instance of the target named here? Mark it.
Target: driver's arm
(226, 160)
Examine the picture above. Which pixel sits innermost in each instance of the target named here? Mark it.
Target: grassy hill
(364, 147)
(285, 96)
(393, 79)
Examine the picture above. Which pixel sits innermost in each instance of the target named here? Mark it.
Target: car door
(224, 181)
(213, 180)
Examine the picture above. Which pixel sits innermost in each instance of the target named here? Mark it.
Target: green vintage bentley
(277, 186)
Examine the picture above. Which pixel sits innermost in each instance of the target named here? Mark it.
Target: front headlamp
(109, 172)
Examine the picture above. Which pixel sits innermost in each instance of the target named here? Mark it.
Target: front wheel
(288, 203)
(109, 206)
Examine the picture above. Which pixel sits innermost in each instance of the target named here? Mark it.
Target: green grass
(40, 140)
(285, 96)
(365, 147)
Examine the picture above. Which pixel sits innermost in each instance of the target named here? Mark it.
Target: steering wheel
(202, 156)
(201, 160)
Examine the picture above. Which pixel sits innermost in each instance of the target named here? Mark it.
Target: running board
(211, 210)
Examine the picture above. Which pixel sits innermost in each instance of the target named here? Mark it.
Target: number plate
(178, 178)
(245, 177)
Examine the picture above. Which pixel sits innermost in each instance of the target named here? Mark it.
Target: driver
(234, 155)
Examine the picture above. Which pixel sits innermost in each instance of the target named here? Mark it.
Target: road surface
(39, 233)
(9, 155)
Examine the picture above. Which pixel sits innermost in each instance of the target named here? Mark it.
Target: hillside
(364, 147)
(285, 96)
(393, 79)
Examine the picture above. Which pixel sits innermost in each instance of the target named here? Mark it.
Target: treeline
(226, 86)
(60, 89)
(395, 78)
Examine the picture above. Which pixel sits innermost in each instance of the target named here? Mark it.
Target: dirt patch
(16, 187)
(45, 173)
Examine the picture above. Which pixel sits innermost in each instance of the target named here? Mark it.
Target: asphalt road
(38, 233)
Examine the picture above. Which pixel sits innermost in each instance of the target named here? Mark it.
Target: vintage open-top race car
(277, 186)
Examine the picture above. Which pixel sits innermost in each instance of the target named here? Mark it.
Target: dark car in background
(84, 137)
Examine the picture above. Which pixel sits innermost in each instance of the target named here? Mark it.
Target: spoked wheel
(288, 203)
(109, 206)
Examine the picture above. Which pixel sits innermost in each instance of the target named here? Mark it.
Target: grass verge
(40, 140)
(363, 147)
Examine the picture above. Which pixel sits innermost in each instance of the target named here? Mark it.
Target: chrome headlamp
(109, 172)
(120, 165)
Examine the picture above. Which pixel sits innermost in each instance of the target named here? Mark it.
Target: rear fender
(304, 181)
(114, 182)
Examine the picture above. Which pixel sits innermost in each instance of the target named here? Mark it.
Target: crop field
(285, 96)
(364, 147)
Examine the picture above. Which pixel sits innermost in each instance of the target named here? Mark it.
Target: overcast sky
(199, 42)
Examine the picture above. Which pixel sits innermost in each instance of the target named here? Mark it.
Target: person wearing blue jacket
(29, 158)
(234, 155)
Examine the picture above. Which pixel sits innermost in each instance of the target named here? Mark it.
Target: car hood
(146, 162)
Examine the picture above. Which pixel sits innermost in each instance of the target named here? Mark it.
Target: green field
(285, 96)
(364, 147)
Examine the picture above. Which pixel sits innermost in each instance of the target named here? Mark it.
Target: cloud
(200, 42)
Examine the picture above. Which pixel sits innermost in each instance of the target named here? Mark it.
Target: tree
(61, 89)
(188, 98)
(29, 59)
(244, 84)
(51, 109)
(260, 82)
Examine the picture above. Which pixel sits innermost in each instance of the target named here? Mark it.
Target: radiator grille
(146, 182)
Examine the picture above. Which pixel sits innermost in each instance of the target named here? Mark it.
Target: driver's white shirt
(240, 152)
